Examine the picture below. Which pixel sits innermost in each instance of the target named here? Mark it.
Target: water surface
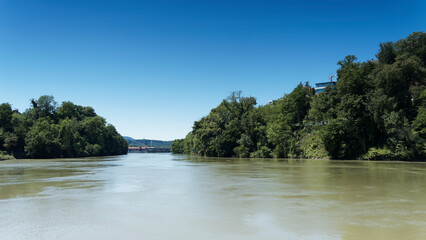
(164, 196)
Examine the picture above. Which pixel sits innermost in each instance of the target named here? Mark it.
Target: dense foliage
(48, 131)
(376, 111)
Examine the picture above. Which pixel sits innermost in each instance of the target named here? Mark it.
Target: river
(165, 196)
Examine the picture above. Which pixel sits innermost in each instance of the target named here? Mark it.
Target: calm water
(164, 196)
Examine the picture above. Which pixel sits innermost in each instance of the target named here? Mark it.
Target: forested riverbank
(48, 131)
(377, 110)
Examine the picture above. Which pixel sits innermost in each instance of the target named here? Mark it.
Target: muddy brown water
(165, 196)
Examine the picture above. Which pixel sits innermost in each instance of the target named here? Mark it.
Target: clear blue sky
(152, 68)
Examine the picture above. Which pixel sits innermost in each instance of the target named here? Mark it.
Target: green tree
(41, 141)
(6, 116)
(45, 106)
(377, 110)
(386, 54)
(413, 45)
(177, 146)
(396, 81)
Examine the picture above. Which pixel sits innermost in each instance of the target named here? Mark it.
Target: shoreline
(319, 159)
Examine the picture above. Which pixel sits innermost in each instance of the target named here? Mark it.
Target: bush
(378, 154)
(241, 151)
(313, 147)
(5, 156)
(263, 152)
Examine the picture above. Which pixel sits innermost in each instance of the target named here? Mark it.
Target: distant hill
(147, 142)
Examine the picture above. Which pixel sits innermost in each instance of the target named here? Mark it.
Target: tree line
(377, 110)
(47, 130)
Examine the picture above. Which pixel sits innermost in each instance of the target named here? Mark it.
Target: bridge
(146, 149)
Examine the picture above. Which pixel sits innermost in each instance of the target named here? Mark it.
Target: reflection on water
(28, 177)
(164, 196)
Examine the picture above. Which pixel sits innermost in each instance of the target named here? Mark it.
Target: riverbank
(363, 159)
(49, 130)
(375, 111)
